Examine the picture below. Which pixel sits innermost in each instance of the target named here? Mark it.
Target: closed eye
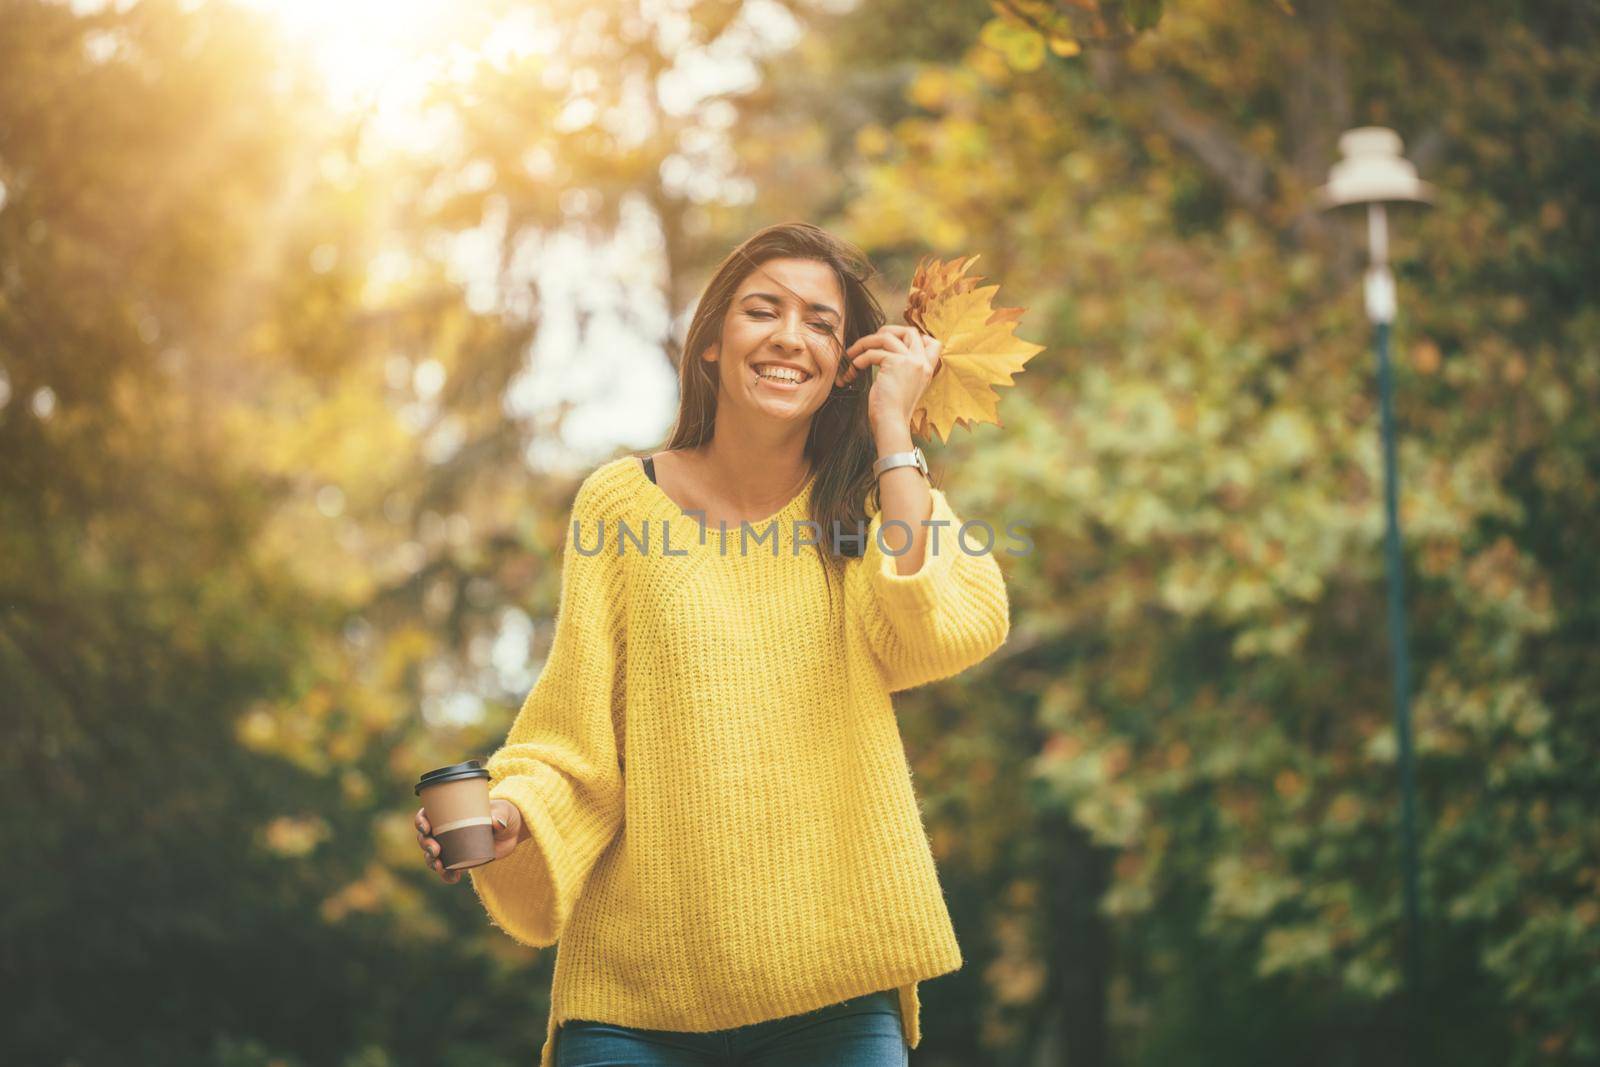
(825, 327)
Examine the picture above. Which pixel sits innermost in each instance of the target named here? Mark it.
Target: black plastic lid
(472, 768)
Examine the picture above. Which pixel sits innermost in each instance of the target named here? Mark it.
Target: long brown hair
(840, 445)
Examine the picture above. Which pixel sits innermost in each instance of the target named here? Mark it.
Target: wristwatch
(914, 458)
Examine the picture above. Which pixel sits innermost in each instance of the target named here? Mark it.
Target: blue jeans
(863, 1031)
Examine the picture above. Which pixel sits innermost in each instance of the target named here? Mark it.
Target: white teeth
(781, 374)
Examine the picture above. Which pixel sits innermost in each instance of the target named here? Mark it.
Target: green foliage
(263, 508)
(1208, 663)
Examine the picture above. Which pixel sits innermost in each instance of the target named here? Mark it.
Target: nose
(786, 334)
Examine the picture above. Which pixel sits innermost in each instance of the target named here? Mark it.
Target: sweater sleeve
(560, 764)
(936, 622)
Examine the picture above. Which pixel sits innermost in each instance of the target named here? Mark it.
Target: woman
(705, 797)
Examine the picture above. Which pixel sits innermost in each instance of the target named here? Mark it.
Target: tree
(1200, 630)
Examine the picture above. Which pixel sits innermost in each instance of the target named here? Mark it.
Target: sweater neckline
(664, 506)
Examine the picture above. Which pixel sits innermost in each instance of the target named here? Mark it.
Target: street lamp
(1373, 172)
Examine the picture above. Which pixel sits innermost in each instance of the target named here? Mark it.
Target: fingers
(876, 347)
(856, 366)
(872, 348)
(430, 850)
(867, 356)
(887, 337)
(889, 334)
(430, 846)
(867, 359)
(878, 355)
(503, 812)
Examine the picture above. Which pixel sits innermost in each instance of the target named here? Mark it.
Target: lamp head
(1372, 170)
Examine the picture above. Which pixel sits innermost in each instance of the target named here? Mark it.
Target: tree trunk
(1076, 875)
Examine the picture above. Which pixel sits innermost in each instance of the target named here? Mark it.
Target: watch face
(917, 460)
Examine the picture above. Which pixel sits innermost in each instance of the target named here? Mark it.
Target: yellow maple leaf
(978, 349)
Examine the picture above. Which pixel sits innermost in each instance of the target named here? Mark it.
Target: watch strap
(913, 458)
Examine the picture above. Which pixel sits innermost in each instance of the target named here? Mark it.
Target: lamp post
(1374, 173)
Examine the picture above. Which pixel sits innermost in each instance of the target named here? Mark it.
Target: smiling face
(786, 322)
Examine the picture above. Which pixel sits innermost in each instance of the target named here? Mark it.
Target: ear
(712, 352)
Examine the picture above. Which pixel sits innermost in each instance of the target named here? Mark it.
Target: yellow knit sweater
(724, 829)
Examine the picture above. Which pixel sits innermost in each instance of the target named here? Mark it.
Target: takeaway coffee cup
(456, 801)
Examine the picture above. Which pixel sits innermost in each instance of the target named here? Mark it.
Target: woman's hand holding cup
(509, 832)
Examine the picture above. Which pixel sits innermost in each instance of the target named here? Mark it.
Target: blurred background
(314, 313)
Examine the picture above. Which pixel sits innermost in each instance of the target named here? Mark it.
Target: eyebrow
(779, 300)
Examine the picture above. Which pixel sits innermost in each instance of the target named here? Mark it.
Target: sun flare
(372, 51)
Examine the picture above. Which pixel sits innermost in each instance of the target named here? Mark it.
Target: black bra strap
(650, 467)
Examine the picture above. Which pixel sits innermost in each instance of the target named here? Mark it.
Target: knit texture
(724, 829)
